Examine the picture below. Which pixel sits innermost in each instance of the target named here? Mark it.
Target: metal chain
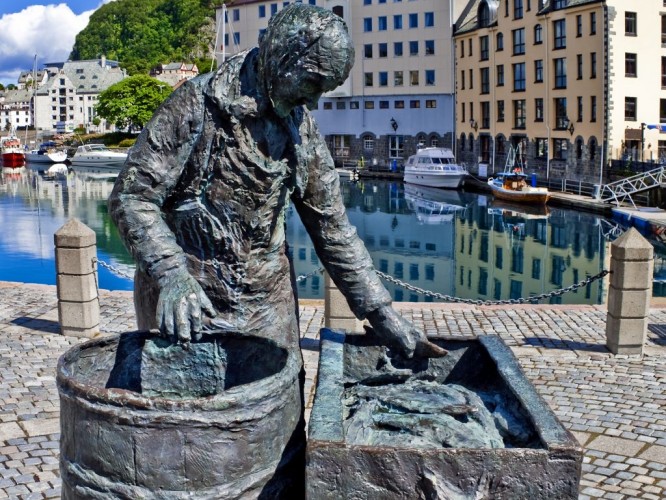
(303, 277)
(526, 300)
(114, 270)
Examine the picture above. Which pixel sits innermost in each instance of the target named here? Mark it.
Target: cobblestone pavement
(614, 405)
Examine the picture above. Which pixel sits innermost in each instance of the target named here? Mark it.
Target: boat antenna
(32, 100)
(217, 31)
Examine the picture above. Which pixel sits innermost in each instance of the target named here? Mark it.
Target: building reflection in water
(466, 245)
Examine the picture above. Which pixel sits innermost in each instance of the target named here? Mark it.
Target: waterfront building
(400, 93)
(15, 109)
(562, 81)
(175, 73)
(68, 98)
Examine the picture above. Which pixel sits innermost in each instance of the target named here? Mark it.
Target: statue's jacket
(206, 188)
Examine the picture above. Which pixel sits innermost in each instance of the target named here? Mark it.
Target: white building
(400, 93)
(69, 97)
(15, 109)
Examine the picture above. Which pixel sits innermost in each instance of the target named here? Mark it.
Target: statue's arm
(344, 255)
(152, 171)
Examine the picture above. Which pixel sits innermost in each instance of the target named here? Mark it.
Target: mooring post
(76, 268)
(337, 315)
(629, 293)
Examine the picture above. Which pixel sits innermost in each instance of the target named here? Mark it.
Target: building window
(397, 22)
(368, 142)
(538, 34)
(413, 77)
(471, 78)
(663, 72)
(541, 147)
(367, 51)
(630, 67)
(367, 24)
(579, 26)
(560, 73)
(340, 105)
(593, 64)
(593, 108)
(500, 111)
(383, 105)
(462, 79)
(517, 9)
(463, 115)
(368, 80)
(500, 42)
(430, 47)
(579, 149)
(383, 49)
(483, 15)
(262, 11)
(462, 48)
(579, 106)
(485, 114)
(519, 114)
(383, 80)
(414, 104)
(560, 33)
(328, 105)
(560, 4)
(519, 76)
(538, 109)
(538, 70)
(593, 23)
(485, 80)
(469, 46)
(430, 77)
(397, 49)
(630, 108)
(414, 48)
(560, 149)
(413, 20)
(369, 104)
(396, 143)
(430, 103)
(579, 66)
(483, 48)
(518, 41)
(500, 75)
(561, 113)
(274, 8)
(630, 24)
(397, 79)
(663, 29)
(236, 15)
(382, 24)
(399, 104)
(429, 19)
(353, 105)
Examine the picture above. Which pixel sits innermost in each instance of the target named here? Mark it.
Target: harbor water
(452, 243)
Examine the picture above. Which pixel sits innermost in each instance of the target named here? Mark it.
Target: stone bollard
(629, 294)
(337, 315)
(76, 268)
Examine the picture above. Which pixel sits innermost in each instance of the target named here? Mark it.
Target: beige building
(559, 81)
(400, 94)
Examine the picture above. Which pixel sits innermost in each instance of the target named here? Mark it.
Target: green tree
(131, 102)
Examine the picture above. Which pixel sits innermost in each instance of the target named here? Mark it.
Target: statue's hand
(181, 306)
(399, 333)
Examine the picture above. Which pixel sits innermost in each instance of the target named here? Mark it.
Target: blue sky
(42, 28)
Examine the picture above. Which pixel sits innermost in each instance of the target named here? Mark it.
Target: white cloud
(46, 30)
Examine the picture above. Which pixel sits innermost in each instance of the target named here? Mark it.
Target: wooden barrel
(246, 440)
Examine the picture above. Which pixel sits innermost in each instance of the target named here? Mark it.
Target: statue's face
(299, 87)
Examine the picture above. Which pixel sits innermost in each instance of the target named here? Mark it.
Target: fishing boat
(12, 154)
(434, 167)
(511, 185)
(98, 155)
(46, 153)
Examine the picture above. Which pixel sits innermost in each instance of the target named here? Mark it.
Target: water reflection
(450, 242)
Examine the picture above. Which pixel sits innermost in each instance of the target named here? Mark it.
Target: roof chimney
(102, 61)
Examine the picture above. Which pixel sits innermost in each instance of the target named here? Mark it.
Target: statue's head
(304, 52)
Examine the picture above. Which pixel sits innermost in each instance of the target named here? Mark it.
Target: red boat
(12, 154)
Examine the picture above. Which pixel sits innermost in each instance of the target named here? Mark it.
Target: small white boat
(98, 155)
(433, 206)
(434, 167)
(512, 186)
(46, 153)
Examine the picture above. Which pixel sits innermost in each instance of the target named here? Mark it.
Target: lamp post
(394, 124)
(642, 139)
(568, 125)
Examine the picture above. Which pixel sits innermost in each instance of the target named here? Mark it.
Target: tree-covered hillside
(141, 34)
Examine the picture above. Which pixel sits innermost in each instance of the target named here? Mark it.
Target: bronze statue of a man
(201, 200)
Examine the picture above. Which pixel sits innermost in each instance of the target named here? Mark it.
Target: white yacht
(46, 153)
(434, 167)
(98, 155)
